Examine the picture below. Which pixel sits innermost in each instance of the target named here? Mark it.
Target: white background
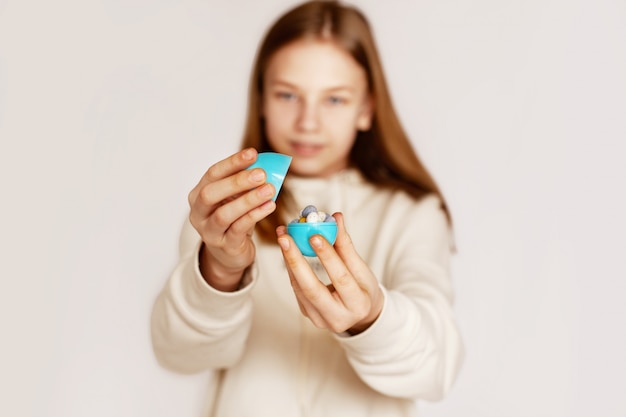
(111, 110)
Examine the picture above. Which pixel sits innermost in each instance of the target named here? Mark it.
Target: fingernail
(266, 191)
(247, 154)
(268, 206)
(316, 242)
(284, 243)
(257, 175)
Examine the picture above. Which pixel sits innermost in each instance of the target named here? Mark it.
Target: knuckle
(362, 311)
(193, 220)
(318, 322)
(236, 228)
(191, 197)
(241, 181)
(211, 241)
(250, 217)
(292, 264)
(343, 279)
(338, 326)
(344, 243)
(311, 294)
(246, 222)
(212, 173)
(250, 199)
(220, 218)
(205, 196)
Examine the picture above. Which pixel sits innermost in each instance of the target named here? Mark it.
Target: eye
(286, 96)
(336, 100)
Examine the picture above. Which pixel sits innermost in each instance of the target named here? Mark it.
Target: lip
(303, 149)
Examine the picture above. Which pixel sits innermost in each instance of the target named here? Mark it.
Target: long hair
(383, 153)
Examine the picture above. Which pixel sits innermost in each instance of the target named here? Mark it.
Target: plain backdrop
(111, 110)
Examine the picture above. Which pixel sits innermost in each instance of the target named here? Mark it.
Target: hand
(225, 206)
(353, 300)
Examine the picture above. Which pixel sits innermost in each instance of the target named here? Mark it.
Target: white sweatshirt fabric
(271, 361)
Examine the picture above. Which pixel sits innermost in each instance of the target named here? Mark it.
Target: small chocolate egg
(308, 209)
(313, 217)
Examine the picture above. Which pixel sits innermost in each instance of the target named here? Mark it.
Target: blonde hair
(383, 153)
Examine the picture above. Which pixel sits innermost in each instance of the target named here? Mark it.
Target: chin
(313, 172)
(304, 169)
(304, 173)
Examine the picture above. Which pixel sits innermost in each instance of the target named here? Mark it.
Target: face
(315, 100)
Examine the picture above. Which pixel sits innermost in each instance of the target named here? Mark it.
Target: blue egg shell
(302, 232)
(275, 166)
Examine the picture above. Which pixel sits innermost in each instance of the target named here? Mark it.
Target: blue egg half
(302, 232)
(275, 166)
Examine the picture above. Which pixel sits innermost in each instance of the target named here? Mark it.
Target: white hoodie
(271, 361)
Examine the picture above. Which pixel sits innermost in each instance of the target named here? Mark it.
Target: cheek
(342, 127)
(277, 119)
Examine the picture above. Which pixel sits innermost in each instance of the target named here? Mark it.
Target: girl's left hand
(353, 300)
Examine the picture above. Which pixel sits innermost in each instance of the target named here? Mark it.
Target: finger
(231, 225)
(347, 252)
(230, 165)
(306, 308)
(246, 209)
(220, 192)
(309, 287)
(346, 289)
(223, 169)
(240, 230)
(302, 277)
(370, 304)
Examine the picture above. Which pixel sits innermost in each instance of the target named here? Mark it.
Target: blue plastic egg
(302, 232)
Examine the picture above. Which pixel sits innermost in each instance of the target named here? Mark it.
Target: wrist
(217, 275)
(377, 308)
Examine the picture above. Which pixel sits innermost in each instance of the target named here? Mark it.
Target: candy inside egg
(308, 210)
(313, 217)
(312, 222)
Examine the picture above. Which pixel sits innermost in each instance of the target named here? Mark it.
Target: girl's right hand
(225, 206)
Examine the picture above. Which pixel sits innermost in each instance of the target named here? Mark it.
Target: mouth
(305, 149)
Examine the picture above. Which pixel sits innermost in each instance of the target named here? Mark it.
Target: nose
(308, 117)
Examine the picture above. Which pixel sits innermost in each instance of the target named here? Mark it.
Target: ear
(364, 118)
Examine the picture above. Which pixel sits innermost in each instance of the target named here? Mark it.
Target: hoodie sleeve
(195, 327)
(414, 349)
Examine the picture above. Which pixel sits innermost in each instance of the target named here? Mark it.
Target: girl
(366, 327)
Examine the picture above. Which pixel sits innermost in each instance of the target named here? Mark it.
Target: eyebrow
(295, 87)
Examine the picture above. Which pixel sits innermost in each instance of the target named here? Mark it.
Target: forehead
(315, 64)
